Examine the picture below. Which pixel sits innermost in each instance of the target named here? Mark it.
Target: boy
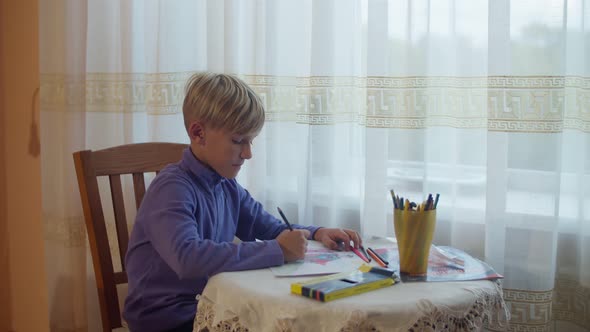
(184, 229)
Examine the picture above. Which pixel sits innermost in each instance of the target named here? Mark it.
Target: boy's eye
(241, 141)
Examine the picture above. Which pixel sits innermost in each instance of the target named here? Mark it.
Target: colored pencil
(379, 261)
(378, 256)
(284, 218)
(365, 259)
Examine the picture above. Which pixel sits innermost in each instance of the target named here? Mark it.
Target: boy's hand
(293, 243)
(330, 237)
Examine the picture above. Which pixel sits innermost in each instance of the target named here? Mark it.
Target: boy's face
(223, 151)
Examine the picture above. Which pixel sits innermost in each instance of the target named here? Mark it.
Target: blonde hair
(222, 101)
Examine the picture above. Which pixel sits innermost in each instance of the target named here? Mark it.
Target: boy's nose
(246, 151)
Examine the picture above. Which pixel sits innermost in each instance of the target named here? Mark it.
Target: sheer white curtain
(484, 102)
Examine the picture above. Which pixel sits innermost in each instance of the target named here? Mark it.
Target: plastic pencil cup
(414, 231)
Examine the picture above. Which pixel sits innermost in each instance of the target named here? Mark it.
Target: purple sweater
(183, 235)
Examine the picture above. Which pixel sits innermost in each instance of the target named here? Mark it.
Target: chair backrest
(134, 159)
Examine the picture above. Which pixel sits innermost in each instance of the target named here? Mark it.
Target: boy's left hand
(331, 236)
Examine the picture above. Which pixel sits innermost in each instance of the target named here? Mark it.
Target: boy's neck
(196, 153)
(201, 160)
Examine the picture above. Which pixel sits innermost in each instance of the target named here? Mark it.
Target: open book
(444, 264)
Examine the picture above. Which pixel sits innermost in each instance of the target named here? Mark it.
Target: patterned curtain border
(571, 302)
(535, 311)
(544, 104)
(70, 232)
(530, 311)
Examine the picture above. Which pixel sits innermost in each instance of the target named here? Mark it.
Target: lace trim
(489, 311)
(205, 321)
(358, 322)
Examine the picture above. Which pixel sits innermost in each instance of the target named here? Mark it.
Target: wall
(21, 226)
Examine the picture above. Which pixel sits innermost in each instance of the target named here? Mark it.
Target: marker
(393, 198)
(284, 218)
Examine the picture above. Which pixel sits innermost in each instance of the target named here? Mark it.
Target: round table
(256, 300)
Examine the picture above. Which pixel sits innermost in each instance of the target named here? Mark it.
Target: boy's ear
(196, 132)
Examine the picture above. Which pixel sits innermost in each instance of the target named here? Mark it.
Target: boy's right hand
(293, 244)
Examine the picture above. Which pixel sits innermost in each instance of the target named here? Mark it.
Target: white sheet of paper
(319, 260)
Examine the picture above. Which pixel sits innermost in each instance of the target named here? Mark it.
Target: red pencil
(359, 254)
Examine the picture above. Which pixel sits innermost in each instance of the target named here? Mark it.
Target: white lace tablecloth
(258, 301)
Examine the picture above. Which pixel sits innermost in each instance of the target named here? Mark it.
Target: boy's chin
(229, 174)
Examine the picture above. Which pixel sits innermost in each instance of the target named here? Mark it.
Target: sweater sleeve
(168, 219)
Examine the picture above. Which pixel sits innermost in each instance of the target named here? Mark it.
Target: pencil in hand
(284, 218)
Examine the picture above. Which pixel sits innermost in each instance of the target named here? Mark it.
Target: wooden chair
(134, 159)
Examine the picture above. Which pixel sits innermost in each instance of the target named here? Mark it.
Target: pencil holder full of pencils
(414, 227)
